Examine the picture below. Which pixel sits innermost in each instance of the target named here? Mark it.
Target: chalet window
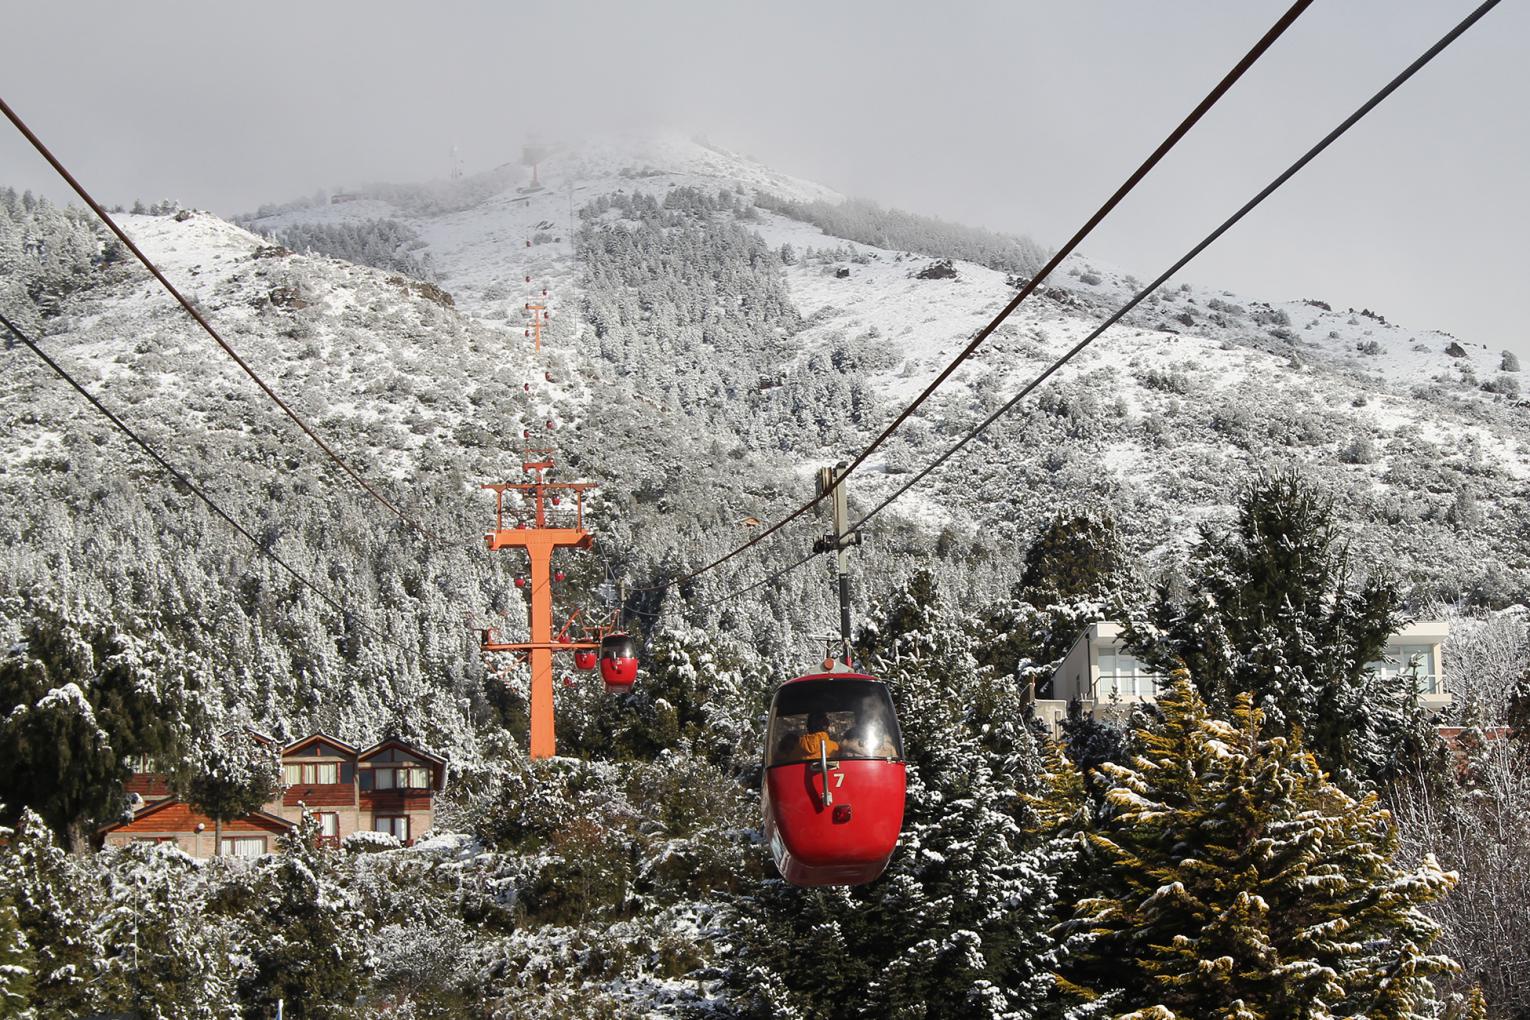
(244, 846)
(403, 778)
(311, 773)
(329, 823)
(394, 825)
(142, 764)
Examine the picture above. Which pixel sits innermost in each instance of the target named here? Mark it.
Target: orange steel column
(537, 321)
(544, 741)
(539, 543)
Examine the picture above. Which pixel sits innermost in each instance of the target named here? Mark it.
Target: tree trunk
(217, 837)
(76, 838)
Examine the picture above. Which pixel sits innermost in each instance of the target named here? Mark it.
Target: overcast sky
(1019, 116)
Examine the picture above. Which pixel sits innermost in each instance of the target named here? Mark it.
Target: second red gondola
(618, 661)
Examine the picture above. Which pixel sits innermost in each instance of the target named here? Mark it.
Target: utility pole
(839, 542)
(540, 539)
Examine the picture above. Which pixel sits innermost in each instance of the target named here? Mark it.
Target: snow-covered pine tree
(55, 901)
(79, 699)
(18, 964)
(305, 937)
(232, 775)
(1234, 880)
(1075, 574)
(165, 960)
(1272, 608)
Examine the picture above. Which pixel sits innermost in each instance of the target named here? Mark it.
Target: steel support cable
(758, 584)
(170, 469)
(1227, 224)
(1174, 137)
(202, 321)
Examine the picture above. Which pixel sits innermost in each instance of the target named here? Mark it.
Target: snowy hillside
(709, 346)
(1421, 433)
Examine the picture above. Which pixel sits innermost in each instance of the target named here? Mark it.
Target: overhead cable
(1190, 120)
(1268, 190)
(1226, 225)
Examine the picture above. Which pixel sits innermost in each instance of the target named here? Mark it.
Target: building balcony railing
(1128, 685)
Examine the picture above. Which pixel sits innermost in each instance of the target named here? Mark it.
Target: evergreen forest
(1283, 834)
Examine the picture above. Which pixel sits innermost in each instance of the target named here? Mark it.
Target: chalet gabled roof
(298, 745)
(403, 745)
(265, 818)
(437, 763)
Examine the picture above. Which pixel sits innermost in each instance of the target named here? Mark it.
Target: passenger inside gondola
(812, 744)
(834, 718)
(865, 739)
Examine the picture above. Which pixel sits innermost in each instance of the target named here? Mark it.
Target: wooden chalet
(174, 821)
(389, 787)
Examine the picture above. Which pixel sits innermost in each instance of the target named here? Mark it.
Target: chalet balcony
(400, 800)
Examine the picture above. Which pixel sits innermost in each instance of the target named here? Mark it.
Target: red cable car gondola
(618, 661)
(584, 659)
(834, 779)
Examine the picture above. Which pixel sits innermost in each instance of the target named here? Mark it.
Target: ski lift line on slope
(1226, 225)
(180, 477)
(154, 270)
(1218, 91)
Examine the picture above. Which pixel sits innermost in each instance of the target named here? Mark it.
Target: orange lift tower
(539, 540)
(538, 320)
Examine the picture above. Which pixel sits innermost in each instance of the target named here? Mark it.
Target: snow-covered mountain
(1420, 432)
(718, 331)
(709, 347)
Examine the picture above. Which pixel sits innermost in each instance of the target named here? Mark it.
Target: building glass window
(1125, 675)
(1403, 660)
(311, 773)
(244, 846)
(412, 778)
(393, 825)
(329, 823)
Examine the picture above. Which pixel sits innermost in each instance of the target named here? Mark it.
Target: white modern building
(1103, 676)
